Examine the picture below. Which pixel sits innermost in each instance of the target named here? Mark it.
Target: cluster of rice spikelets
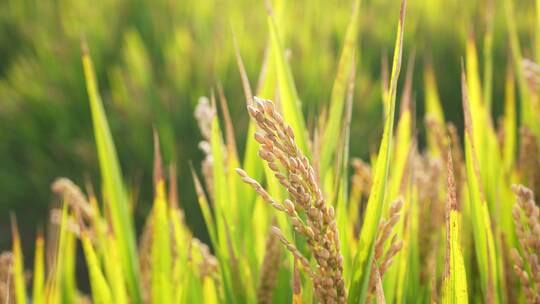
(529, 159)
(531, 71)
(293, 171)
(204, 113)
(73, 195)
(362, 176)
(361, 182)
(526, 264)
(6, 273)
(428, 175)
(78, 202)
(383, 260)
(270, 269)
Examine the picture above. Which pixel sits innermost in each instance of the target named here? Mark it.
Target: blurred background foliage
(155, 58)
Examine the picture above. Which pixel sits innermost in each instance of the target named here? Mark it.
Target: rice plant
(451, 221)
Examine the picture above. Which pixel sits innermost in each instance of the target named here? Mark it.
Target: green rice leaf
(364, 257)
(480, 219)
(111, 174)
(488, 55)
(223, 207)
(509, 123)
(205, 209)
(338, 98)
(529, 113)
(433, 101)
(290, 102)
(434, 109)
(343, 187)
(54, 282)
(252, 163)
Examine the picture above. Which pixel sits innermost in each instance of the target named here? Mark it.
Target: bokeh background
(155, 58)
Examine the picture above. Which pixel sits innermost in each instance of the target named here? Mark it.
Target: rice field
(298, 203)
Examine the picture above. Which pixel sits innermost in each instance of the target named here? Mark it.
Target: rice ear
(527, 225)
(280, 151)
(269, 269)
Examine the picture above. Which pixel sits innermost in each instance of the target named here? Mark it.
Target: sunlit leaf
(111, 174)
(18, 264)
(454, 285)
(290, 102)
(101, 292)
(364, 258)
(339, 90)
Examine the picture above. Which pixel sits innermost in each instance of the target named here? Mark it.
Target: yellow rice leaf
(18, 264)
(161, 249)
(113, 272)
(454, 285)
(209, 291)
(100, 289)
(39, 271)
(477, 112)
(454, 289)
